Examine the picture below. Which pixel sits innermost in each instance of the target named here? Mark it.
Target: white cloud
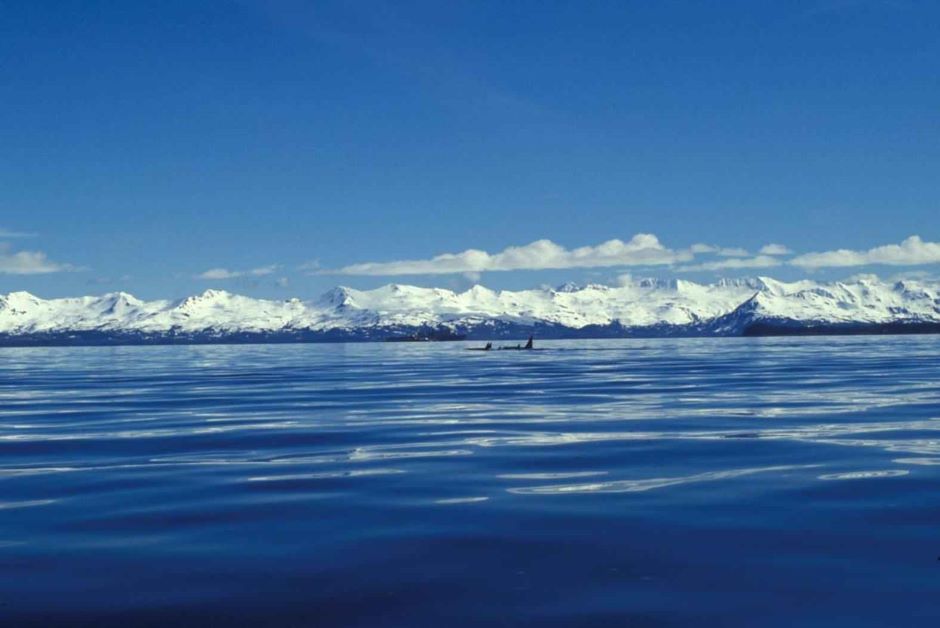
(758, 261)
(733, 251)
(263, 271)
(224, 273)
(916, 275)
(29, 263)
(642, 249)
(7, 233)
(217, 273)
(282, 282)
(774, 249)
(911, 252)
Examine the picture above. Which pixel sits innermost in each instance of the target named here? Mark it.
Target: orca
(529, 346)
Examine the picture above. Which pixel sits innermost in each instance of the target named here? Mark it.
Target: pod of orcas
(528, 346)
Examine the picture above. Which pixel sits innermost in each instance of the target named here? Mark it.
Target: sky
(280, 148)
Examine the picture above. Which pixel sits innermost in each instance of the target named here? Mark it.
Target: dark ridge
(483, 330)
(839, 329)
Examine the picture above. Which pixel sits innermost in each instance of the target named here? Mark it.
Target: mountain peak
(122, 296)
(22, 295)
(336, 297)
(213, 293)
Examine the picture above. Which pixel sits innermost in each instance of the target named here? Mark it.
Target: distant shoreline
(520, 333)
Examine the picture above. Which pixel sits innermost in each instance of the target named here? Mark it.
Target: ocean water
(694, 482)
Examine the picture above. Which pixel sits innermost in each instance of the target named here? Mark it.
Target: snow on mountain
(726, 307)
(863, 302)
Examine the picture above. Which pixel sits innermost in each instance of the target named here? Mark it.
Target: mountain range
(739, 307)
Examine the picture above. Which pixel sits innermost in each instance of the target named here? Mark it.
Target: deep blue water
(712, 482)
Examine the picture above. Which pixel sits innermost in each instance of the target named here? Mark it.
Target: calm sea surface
(713, 482)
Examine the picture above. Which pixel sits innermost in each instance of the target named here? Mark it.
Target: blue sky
(164, 148)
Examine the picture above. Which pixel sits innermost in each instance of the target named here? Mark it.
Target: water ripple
(370, 478)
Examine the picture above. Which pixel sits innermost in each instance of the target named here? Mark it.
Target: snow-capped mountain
(647, 307)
